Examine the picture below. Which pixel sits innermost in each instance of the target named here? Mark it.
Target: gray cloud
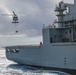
(32, 15)
(36, 13)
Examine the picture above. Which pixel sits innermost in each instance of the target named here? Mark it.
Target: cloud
(32, 15)
(19, 40)
(36, 13)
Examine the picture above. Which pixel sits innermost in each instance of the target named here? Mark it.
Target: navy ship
(58, 50)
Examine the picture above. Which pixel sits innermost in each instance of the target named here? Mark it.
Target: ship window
(71, 22)
(70, 31)
(66, 22)
(7, 50)
(66, 25)
(11, 51)
(14, 50)
(51, 40)
(17, 50)
(75, 28)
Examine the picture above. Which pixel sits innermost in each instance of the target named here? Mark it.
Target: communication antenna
(14, 18)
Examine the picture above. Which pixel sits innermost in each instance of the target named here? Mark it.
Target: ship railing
(49, 26)
(70, 16)
(59, 9)
(30, 46)
(26, 46)
(64, 44)
(66, 19)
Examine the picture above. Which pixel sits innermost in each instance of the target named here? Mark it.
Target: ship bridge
(66, 14)
(66, 29)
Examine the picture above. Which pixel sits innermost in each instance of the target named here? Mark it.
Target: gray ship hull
(61, 56)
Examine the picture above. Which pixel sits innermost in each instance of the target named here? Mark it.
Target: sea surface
(11, 68)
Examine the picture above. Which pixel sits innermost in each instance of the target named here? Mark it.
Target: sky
(32, 15)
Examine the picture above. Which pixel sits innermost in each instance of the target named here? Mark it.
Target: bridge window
(70, 31)
(51, 40)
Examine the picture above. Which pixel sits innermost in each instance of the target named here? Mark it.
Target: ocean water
(11, 68)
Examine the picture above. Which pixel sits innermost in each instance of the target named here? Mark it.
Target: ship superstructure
(59, 43)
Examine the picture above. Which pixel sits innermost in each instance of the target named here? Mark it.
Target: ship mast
(60, 8)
